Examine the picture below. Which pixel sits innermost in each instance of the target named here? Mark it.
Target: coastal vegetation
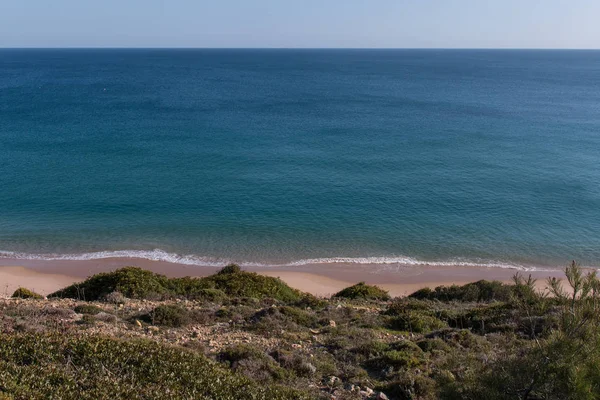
(23, 293)
(238, 335)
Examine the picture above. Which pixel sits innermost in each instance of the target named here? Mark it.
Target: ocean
(288, 157)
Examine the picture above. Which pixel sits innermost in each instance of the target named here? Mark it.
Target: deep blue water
(274, 156)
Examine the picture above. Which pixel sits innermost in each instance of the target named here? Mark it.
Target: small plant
(168, 315)
(253, 363)
(89, 309)
(22, 293)
(363, 291)
(115, 298)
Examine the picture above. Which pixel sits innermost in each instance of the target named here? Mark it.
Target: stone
(332, 323)
(381, 396)
(138, 323)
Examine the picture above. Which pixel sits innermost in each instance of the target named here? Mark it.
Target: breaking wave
(190, 259)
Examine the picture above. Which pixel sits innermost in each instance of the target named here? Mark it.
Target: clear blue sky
(301, 23)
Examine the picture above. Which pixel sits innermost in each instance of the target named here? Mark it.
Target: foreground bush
(168, 315)
(364, 292)
(54, 366)
(22, 293)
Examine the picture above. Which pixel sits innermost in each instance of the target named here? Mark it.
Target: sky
(301, 23)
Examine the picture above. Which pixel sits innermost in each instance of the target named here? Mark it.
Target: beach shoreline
(46, 276)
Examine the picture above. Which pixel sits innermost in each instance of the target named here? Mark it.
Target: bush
(92, 367)
(402, 355)
(115, 298)
(87, 309)
(253, 363)
(416, 322)
(230, 269)
(137, 283)
(249, 284)
(168, 315)
(212, 295)
(364, 292)
(476, 291)
(22, 293)
(402, 305)
(273, 320)
(496, 317)
(132, 282)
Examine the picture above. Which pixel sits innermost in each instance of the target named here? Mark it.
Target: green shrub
(22, 293)
(372, 348)
(408, 385)
(497, 317)
(87, 309)
(191, 288)
(137, 283)
(416, 322)
(212, 295)
(476, 291)
(249, 284)
(168, 315)
(132, 282)
(300, 317)
(230, 269)
(90, 367)
(253, 363)
(402, 305)
(433, 344)
(272, 320)
(364, 292)
(307, 300)
(87, 319)
(404, 354)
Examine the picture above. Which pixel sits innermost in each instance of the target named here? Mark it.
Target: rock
(381, 396)
(369, 391)
(333, 380)
(332, 323)
(153, 329)
(138, 323)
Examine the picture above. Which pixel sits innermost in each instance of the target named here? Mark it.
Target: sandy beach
(319, 279)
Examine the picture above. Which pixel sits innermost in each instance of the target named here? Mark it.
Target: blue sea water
(286, 156)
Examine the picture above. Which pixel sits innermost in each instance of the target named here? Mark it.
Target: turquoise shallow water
(278, 156)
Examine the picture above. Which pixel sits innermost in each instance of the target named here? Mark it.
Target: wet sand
(319, 279)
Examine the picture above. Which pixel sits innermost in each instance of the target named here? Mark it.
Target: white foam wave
(409, 261)
(195, 260)
(152, 255)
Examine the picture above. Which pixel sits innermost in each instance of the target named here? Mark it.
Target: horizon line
(288, 48)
